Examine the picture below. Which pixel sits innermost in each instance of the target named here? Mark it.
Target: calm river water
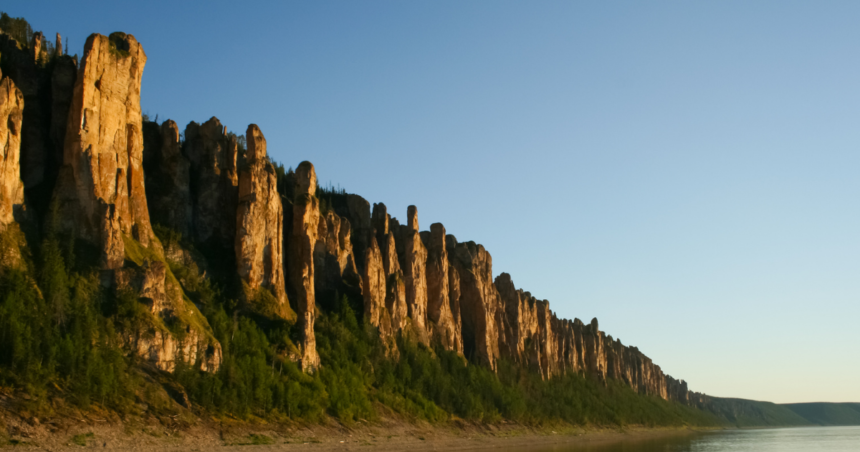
(809, 439)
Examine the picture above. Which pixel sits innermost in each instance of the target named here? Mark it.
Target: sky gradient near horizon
(686, 172)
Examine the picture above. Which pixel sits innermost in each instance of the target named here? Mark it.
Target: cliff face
(480, 304)
(445, 327)
(214, 182)
(11, 185)
(100, 191)
(101, 200)
(421, 285)
(303, 239)
(259, 232)
(167, 177)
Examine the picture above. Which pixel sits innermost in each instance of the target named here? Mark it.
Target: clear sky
(687, 172)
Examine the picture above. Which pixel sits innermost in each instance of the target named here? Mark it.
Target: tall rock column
(259, 232)
(100, 191)
(11, 186)
(446, 328)
(395, 292)
(303, 238)
(415, 271)
(101, 199)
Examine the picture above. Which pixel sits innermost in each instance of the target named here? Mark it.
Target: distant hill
(827, 413)
(752, 413)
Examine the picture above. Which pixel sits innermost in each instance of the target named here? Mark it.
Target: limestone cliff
(100, 191)
(415, 272)
(112, 176)
(11, 185)
(259, 233)
(481, 308)
(214, 182)
(300, 262)
(101, 200)
(446, 329)
(167, 177)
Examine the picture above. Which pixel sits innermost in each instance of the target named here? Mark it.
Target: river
(806, 439)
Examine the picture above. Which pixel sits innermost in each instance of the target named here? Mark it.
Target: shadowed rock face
(303, 239)
(11, 186)
(259, 232)
(214, 182)
(168, 178)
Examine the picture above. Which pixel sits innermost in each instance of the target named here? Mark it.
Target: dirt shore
(390, 435)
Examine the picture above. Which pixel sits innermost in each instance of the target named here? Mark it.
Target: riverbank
(387, 435)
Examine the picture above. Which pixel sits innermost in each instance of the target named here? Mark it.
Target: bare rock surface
(300, 263)
(214, 181)
(446, 328)
(11, 185)
(100, 191)
(259, 233)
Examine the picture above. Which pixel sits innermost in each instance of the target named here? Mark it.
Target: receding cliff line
(290, 251)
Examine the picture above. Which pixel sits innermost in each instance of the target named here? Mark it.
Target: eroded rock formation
(100, 191)
(214, 182)
(167, 178)
(445, 327)
(101, 200)
(415, 273)
(423, 285)
(302, 241)
(11, 115)
(259, 232)
(481, 308)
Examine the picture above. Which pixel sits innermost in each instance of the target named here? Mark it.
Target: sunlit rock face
(11, 185)
(101, 200)
(300, 262)
(260, 233)
(481, 307)
(445, 328)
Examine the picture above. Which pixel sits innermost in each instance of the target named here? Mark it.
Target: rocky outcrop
(374, 291)
(47, 90)
(100, 191)
(300, 262)
(335, 269)
(415, 273)
(167, 177)
(11, 186)
(101, 200)
(150, 283)
(395, 287)
(214, 182)
(445, 328)
(259, 233)
(481, 308)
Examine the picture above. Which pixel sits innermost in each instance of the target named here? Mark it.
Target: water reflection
(823, 439)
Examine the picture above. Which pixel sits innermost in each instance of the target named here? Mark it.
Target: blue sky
(687, 172)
